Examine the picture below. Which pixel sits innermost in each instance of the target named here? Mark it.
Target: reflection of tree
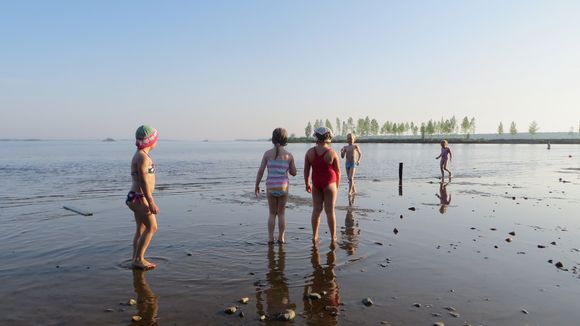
(350, 234)
(277, 293)
(444, 198)
(325, 310)
(146, 300)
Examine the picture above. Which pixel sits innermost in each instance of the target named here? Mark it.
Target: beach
(504, 251)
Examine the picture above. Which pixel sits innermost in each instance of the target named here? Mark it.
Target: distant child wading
(353, 156)
(445, 157)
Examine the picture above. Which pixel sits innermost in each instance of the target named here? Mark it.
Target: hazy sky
(238, 69)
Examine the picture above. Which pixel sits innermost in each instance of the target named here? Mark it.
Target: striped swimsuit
(277, 180)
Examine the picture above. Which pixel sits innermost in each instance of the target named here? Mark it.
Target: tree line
(371, 127)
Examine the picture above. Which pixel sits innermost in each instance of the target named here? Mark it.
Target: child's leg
(329, 204)
(446, 169)
(441, 166)
(353, 188)
(140, 228)
(150, 222)
(317, 202)
(282, 218)
(272, 212)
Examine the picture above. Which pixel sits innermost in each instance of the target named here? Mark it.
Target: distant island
(108, 139)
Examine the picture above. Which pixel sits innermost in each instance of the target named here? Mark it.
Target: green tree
(338, 126)
(423, 130)
(430, 129)
(328, 125)
(533, 129)
(465, 127)
(344, 128)
(513, 129)
(367, 125)
(500, 129)
(453, 125)
(374, 127)
(308, 129)
(350, 123)
(360, 127)
(472, 125)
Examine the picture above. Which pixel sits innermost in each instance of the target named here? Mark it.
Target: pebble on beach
(367, 302)
(314, 296)
(286, 316)
(132, 302)
(136, 318)
(231, 310)
(395, 231)
(244, 300)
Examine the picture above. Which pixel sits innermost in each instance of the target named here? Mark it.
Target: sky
(223, 70)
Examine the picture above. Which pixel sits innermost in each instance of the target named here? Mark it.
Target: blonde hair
(444, 143)
(280, 137)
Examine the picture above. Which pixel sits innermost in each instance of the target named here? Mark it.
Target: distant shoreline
(570, 141)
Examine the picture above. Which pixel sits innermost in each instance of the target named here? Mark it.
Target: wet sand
(455, 267)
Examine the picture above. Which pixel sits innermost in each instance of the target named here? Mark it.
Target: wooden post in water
(400, 178)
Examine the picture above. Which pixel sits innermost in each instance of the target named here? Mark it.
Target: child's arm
(260, 175)
(450, 155)
(292, 167)
(336, 167)
(438, 157)
(343, 151)
(359, 154)
(143, 178)
(307, 173)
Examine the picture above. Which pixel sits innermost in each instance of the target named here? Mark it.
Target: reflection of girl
(146, 299)
(277, 294)
(323, 281)
(443, 197)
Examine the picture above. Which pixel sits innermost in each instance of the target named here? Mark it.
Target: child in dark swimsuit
(140, 198)
(324, 162)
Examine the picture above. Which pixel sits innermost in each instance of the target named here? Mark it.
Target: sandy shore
(454, 267)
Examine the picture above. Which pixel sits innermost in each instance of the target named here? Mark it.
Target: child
(279, 163)
(325, 180)
(353, 155)
(140, 198)
(445, 157)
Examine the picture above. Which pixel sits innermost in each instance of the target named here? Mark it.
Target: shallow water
(61, 268)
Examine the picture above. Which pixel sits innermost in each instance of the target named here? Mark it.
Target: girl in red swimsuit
(325, 180)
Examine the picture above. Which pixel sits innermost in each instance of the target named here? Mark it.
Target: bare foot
(143, 264)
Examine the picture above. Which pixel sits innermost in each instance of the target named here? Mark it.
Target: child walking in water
(325, 180)
(140, 198)
(445, 157)
(353, 156)
(279, 163)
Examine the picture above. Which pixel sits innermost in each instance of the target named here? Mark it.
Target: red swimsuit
(323, 174)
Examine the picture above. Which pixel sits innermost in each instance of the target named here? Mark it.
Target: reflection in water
(146, 300)
(350, 234)
(444, 198)
(351, 198)
(277, 294)
(325, 310)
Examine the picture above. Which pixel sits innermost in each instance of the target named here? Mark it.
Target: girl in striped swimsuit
(279, 163)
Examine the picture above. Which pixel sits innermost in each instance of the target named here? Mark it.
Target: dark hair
(323, 138)
(279, 136)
